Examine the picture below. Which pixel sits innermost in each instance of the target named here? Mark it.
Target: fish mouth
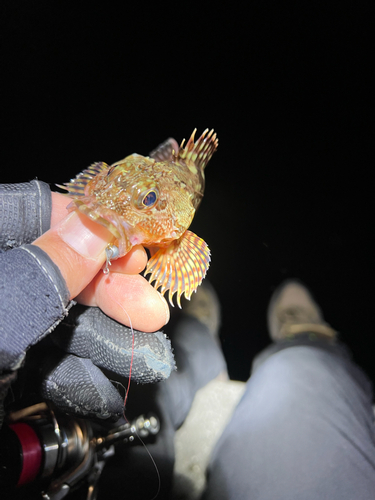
(109, 219)
(96, 214)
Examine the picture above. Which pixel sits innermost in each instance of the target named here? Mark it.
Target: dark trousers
(304, 429)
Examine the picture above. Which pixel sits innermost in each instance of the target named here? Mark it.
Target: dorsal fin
(200, 152)
(76, 187)
(165, 150)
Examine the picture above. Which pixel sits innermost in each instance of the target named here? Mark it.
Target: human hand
(77, 245)
(37, 297)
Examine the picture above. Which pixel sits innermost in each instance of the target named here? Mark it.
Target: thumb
(77, 246)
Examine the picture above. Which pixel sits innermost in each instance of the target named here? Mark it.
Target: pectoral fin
(180, 267)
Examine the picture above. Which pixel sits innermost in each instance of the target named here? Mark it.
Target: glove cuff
(25, 212)
(34, 299)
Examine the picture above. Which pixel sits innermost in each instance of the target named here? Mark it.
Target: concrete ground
(212, 409)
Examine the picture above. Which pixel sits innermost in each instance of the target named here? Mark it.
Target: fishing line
(127, 391)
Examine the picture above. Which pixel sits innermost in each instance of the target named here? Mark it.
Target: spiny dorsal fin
(200, 152)
(76, 187)
(165, 150)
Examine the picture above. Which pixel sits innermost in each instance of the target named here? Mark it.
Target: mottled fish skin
(152, 201)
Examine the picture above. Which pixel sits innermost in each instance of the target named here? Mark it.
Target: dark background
(288, 86)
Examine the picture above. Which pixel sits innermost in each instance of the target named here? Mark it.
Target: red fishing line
(127, 393)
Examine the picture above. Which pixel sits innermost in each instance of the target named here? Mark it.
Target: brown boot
(205, 307)
(293, 311)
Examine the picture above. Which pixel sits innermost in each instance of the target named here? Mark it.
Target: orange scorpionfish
(152, 201)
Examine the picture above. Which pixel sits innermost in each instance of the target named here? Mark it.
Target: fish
(151, 201)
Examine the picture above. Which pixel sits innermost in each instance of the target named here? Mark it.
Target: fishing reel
(48, 455)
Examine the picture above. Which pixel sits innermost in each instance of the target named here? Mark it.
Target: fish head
(150, 204)
(164, 213)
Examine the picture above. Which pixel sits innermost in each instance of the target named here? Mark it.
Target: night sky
(288, 86)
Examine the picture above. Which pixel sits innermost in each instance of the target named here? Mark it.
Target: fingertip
(59, 203)
(131, 300)
(133, 262)
(166, 307)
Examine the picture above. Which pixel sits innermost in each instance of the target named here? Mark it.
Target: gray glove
(25, 213)
(94, 340)
(34, 300)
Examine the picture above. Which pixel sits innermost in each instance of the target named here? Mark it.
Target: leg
(304, 428)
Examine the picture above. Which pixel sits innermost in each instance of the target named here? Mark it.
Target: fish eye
(146, 198)
(145, 195)
(150, 198)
